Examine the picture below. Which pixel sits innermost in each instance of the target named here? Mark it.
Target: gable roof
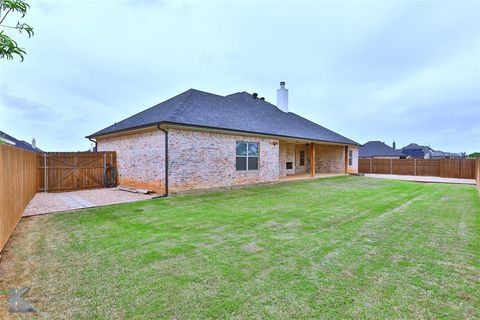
(378, 149)
(239, 112)
(17, 143)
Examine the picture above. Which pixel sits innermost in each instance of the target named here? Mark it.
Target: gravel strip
(63, 201)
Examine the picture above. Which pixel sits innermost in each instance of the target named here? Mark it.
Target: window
(289, 165)
(302, 158)
(247, 156)
(350, 157)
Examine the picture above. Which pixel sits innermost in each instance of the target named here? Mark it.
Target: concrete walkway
(421, 178)
(44, 203)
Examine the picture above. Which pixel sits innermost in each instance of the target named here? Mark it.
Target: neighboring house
(200, 140)
(446, 155)
(416, 151)
(379, 150)
(18, 143)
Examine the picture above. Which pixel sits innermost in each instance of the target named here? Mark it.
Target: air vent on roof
(255, 95)
(262, 98)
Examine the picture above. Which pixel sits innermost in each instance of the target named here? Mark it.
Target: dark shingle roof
(18, 143)
(378, 149)
(235, 112)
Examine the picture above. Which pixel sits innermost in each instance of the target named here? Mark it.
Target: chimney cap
(282, 83)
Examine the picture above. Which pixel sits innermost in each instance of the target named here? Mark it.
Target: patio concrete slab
(421, 178)
(44, 203)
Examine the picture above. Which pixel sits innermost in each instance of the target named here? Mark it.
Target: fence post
(391, 166)
(45, 173)
(370, 165)
(104, 166)
(414, 167)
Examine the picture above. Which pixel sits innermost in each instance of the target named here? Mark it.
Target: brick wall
(329, 158)
(354, 167)
(298, 167)
(201, 160)
(140, 159)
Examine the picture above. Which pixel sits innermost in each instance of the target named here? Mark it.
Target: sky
(404, 71)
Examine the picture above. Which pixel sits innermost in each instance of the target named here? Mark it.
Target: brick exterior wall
(140, 158)
(329, 158)
(354, 167)
(201, 160)
(298, 167)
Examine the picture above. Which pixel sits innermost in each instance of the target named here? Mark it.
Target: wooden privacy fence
(446, 168)
(68, 171)
(17, 187)
(478, 173)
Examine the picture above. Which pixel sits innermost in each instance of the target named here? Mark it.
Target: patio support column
(312, 159)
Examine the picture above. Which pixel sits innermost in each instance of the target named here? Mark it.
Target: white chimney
(34, 143)
(282, 97)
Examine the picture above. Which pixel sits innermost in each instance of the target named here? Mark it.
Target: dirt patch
(14, 274)
(252, 247)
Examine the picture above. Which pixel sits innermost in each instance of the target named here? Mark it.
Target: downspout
(166, 158)
(94, 141)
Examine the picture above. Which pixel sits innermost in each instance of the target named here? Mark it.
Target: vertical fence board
(18, 180)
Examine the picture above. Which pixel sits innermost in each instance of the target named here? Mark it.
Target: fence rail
(17, 187)
(68, 171)
(446, 168)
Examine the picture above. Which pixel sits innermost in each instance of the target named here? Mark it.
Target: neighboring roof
(378, 149)
(236, 112)
(414, 146)
(17, 143)
(441, 154)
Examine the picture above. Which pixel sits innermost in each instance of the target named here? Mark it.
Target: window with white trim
(247, 156)
(350, 157)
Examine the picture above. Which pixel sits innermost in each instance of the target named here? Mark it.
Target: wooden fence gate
(69, 171)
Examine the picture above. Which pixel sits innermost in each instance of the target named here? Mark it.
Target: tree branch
(6, 13)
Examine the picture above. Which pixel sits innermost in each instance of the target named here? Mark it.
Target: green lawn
(346, 247)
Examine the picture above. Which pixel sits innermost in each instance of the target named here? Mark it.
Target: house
(414, 150)
(19, 143)
(447, 155)
(379, 150)
(199, 140)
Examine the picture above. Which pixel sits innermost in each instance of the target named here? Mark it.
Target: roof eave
(96, 135)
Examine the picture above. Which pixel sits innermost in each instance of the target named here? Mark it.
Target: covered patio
(300, 160)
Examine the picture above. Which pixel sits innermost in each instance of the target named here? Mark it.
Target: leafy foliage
(9, 47)
(474, 155)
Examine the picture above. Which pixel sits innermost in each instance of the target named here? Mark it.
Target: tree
(474, 155)
(9, 47)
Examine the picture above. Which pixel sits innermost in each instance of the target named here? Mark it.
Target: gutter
(94, 141)
(166, 157)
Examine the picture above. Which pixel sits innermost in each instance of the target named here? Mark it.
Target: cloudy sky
(403, 71)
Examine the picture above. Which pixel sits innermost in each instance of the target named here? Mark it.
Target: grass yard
(346, 247)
